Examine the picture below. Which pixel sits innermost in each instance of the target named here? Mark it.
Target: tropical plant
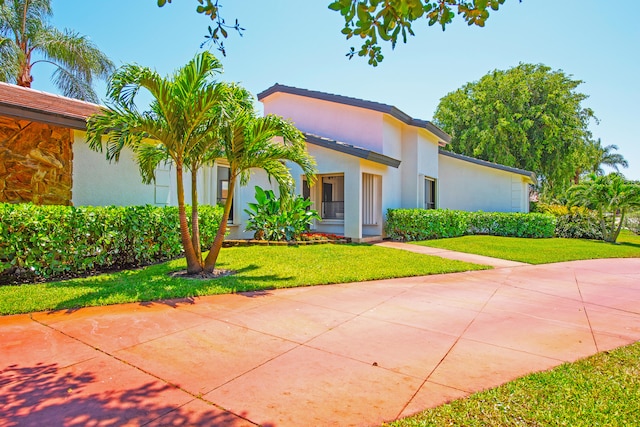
(611, 196)
(193, 121)
(27, 39)
(180, 127)
(246, 142)
(529, 117)
(274, 218)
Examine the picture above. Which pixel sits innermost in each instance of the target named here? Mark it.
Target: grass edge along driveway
(257, 268)
(599, 390)
(540, 251)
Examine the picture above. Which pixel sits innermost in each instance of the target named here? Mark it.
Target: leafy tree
(25, 33)
(248, 142)
(373, 20)
(611, 196)
(528, 117)
(193, 120)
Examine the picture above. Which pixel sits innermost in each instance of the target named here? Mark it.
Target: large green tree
(27, 39)
(193, 120)
(611, 196)
(373, 21)
(530, 117)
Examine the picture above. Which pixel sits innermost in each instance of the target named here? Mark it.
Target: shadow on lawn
(45, 394)
(154, 283)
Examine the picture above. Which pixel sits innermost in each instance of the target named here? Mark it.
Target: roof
(361, 103)
(352, 150)
(526, 173)
(25, 103)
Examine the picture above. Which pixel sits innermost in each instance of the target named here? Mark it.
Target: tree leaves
(529, 117)
(373, 20)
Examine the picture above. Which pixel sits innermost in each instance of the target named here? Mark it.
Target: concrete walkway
(445, 253)
(353, 354)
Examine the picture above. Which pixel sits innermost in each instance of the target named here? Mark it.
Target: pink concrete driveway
(354, 354)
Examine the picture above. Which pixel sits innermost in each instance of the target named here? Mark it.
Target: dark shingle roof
(24, 103)
(352, 150)
(528, 174)
(355, 102)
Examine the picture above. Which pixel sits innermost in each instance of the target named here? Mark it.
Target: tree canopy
(27, 39)
(372, 21)
(530, 117)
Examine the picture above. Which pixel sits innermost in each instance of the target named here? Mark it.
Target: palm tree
(25, 34)
(607, 157)
(610, 195)
(194, 121)
(247, 142)
(180, 128)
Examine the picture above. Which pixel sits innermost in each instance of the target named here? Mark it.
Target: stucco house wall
(471, 187)
(358, 126)
(97, 182)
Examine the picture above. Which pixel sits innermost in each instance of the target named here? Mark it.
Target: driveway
(352, 354)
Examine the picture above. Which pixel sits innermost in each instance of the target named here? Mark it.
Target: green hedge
(424, 224)
(52, 241)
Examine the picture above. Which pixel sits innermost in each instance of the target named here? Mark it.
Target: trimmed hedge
(50, 241)
(425, 224)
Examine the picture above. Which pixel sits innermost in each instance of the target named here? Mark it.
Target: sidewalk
(353, 354)
(445, 253)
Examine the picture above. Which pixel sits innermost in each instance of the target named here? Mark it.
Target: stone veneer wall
(35, 162)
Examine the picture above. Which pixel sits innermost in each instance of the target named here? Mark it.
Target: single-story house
(370, 156)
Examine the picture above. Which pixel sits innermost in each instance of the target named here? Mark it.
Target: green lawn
(258, 268)
(602, 390)
(541, 251)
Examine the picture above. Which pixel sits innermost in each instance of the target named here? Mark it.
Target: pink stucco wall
(353, 125)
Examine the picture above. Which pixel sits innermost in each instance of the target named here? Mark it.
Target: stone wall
(35, 162)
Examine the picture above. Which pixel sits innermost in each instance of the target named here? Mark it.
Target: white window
(223, 188)
(429, 193)
(332, 196)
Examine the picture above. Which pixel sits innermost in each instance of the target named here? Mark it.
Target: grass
(258, 268)
(601, 390)
(541, 251)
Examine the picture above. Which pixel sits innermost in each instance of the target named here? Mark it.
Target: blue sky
(298, 43)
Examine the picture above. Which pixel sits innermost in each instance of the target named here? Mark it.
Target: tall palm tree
(180, 127)
(610, 195)
(608, 158)
(27, 39)
(248, 142)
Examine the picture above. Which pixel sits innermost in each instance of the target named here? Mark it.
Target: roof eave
(361, 103)
(352, 150)
(532, 179)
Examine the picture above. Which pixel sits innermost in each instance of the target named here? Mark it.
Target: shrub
(50, 241)
(274, 219)
(423, 224)
(632, 222)
(511, 224)
(575, 222)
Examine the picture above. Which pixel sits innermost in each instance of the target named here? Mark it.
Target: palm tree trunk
(193, 263)
(212, 257)
(617, 233)
(195, 224)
